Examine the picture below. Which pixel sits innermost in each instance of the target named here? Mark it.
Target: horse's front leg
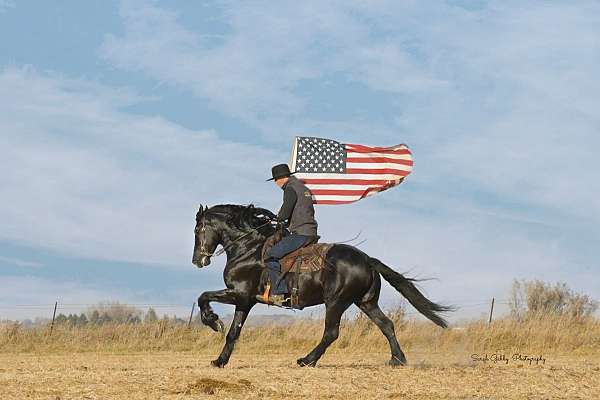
(207, 315)
(241, 312)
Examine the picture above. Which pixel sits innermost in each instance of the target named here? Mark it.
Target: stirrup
(278, 300)
(281, 300)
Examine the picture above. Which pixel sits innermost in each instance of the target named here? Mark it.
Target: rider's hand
(280, 225)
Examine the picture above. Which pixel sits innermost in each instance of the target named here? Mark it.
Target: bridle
(202, 229)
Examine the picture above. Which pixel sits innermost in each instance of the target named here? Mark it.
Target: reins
(223, 249)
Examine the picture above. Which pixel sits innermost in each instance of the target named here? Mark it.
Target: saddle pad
(311, 257)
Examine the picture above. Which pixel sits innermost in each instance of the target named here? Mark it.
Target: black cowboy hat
(280, 171)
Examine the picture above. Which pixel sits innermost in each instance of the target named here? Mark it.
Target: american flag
(338, 173)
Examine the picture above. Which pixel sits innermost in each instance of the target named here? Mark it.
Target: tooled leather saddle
(308, 258)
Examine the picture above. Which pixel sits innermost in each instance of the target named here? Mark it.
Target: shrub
(536, 298)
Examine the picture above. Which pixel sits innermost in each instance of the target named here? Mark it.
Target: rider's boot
(266, 297)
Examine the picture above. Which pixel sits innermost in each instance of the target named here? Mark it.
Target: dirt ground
(249, 376)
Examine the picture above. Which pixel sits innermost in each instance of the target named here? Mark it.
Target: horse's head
(207, 238)
(229, 224)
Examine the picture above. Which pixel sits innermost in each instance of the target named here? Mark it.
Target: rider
(298, 211)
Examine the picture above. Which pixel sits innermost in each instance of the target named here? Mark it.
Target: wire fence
(158, 305)
(46, 309)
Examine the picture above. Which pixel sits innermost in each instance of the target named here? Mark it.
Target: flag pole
(293, 161)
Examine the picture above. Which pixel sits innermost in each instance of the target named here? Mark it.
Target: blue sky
(118, 118)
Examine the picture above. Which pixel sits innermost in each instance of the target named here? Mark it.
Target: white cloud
(530, 136)
(89, 179)
(253, 73)
(501, 97)
(6, 4)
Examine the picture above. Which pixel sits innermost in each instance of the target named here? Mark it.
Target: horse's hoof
(217, 326)
(217, 363)
(397, 362)
(303, 362)
(212, 320)
(221, 326)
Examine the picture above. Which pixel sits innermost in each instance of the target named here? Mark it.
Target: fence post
(191, 314)
(491, 312)
(53, 317)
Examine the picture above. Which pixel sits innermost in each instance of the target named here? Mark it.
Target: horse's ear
(200, 208)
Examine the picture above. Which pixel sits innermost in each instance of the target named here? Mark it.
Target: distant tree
(39, 321)
(94, 317)
(115, 312)
(150, 316)
(27, 323)
(104, 319)
(82, 321)
(61, 319)
(72, 319)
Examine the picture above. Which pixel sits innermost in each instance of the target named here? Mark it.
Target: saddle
(308, 258)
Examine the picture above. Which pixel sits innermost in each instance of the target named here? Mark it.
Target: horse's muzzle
(203, 262)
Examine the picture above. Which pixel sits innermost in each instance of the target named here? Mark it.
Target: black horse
(350, 276)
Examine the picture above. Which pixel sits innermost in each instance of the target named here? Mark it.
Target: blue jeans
(282, 248)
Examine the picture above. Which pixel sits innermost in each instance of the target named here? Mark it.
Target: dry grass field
(161, 361)
(187, 375)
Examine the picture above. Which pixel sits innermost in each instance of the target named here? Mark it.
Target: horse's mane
(243, 216)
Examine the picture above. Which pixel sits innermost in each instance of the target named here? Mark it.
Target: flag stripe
(377, 171)
(401, 149)
(330, 181)
(380, 177)
(341, 192)
(338, 198)
(332, 202)
(368, 160)
(388, 151)
(313, 187)
(386, 155)
(402, 167)
(398, 146)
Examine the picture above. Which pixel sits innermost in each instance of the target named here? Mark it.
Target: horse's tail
(406, 287)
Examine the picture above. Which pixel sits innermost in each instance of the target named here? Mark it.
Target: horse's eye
(196, 230)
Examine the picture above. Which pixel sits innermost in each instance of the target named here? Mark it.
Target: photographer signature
(503, 359)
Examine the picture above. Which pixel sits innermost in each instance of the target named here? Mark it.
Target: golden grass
(167, 361)
(542, 334)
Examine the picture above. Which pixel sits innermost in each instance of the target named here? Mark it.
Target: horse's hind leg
(371, 308)
(333, 315)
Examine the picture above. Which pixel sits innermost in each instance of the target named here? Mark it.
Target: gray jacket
(298, 208)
